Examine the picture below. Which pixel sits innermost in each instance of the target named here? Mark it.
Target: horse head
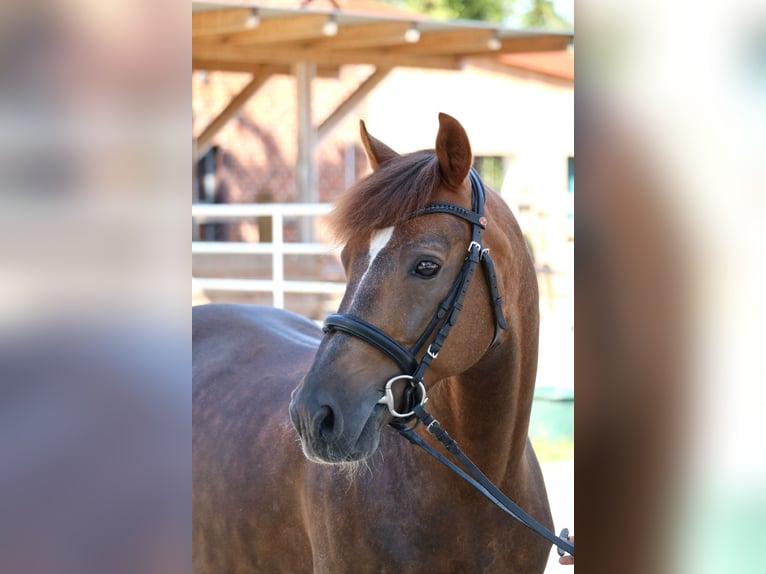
(401, 261)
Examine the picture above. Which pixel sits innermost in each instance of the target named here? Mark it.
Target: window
(491, 169)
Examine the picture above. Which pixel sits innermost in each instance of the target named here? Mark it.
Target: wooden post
(306, 169)
(265, 231)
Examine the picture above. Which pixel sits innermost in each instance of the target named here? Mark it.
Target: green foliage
(539, 13)
(543, 14)
(489, 10)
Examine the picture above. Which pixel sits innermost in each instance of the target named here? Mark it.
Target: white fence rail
(207, 213)
(278, 285)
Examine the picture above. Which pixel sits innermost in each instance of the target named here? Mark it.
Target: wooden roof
(554, 64)
(246, 36)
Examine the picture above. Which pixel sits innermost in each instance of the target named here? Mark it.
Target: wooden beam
(224, 66)
(219, 21)
(236, 103)
(363, 36)
(294, 28)
(526, 44)
(291, 54)
(447, 42)
(351, 102)
(306, 170)
(252, 67)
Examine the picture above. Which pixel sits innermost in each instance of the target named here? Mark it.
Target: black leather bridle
(413, 369)
(446, 314)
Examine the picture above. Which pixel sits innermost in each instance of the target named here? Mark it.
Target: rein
(444, 319)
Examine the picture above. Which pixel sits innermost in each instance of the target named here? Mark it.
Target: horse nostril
(325, 423)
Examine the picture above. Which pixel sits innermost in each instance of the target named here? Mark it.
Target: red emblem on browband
(483, 220)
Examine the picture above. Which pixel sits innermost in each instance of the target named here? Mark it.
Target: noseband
(446, 314)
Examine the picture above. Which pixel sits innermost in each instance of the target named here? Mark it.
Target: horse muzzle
(329, 434)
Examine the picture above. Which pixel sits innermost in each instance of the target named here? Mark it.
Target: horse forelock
(389, 195)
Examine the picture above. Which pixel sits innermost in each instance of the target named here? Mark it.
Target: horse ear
(377, 151)
(453, 151)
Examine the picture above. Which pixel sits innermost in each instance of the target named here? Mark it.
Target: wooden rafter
(447, 42)
(237, 37)
(219, 21)
(526, 44)
(290, 54)
(252, 67)
(363, 36)
(274, 30)
(351, 102)
(236, 103)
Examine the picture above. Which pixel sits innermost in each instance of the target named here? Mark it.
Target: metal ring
(388, 398)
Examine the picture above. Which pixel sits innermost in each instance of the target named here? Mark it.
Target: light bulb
(330, 27)
(412, 34)
(253, 20)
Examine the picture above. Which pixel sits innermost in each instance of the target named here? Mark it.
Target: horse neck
(489, 405)
(487, 408)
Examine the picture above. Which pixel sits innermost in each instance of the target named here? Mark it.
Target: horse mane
(399, 187)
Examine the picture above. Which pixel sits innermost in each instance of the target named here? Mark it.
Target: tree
(541, 13)
(489, 10)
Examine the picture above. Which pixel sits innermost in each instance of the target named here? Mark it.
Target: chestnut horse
(347, 493)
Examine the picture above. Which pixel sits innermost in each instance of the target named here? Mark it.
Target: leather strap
(476, 478)
(494, 294)
(373, 336)
(453, 209)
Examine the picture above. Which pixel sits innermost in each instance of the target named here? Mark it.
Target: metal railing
(278, 248)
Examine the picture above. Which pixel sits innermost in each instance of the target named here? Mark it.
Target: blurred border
(94, 363)
(670, 115)
(95, 349)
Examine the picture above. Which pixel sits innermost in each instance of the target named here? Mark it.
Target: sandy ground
(556, 369)
(559, 480)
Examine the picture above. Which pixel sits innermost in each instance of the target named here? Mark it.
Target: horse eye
(427, 268)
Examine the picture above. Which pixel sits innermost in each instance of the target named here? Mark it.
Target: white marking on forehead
(378, 241)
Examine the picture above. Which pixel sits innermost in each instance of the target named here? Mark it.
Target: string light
(494, 41)
(254, 19)
(412, 34)
(330, 27)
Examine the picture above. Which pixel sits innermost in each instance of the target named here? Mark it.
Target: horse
(296, 466)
